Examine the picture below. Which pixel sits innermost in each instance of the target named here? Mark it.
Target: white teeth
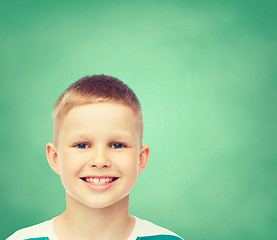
(98, 180)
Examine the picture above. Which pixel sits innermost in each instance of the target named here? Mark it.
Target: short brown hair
(94, 89)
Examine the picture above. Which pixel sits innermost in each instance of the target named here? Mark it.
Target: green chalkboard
(205, 73)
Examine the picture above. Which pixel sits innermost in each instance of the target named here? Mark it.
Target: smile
(99, 180)
(99, 183)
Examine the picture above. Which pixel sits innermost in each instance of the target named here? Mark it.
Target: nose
(99, 158)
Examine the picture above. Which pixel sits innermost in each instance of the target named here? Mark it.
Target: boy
(97, 151)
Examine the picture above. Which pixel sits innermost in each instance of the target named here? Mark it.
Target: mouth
(99, 180)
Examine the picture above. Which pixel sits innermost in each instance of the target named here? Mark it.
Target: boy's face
(99, 154)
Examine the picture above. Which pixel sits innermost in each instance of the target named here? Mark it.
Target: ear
(143, 158)
(52, 157)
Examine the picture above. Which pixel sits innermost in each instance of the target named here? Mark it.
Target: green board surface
(205, 73)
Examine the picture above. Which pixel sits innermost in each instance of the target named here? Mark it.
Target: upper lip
(97, 176)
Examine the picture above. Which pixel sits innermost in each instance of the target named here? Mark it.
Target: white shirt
(142, 229)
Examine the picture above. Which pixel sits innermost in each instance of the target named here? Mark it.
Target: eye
(81, 145)
(117, 145)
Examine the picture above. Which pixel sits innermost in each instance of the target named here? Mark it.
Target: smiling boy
(97, 151)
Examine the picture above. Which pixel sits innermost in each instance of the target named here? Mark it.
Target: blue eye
(117, 145)
(81, 145)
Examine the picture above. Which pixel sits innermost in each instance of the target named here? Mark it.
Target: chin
(98, 202)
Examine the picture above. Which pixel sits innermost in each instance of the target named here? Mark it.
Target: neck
(82, 222)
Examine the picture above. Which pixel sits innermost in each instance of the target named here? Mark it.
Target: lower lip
(100, 187)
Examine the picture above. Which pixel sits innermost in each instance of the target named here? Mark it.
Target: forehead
(101, 118)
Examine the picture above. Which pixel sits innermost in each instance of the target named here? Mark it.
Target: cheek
(69, 171)
(70, 164)
(130, 166)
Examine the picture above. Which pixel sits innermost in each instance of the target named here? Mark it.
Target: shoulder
(39, 231)
(145, 230)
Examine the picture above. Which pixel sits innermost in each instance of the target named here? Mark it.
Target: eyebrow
(113, 135)
(120, 134)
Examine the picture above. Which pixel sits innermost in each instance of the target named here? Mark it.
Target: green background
(205, 73)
